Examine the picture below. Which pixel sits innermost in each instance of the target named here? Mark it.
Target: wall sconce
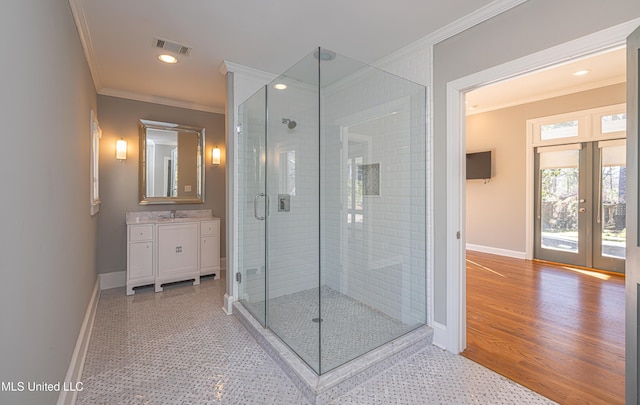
(215, 156)
(121, 149)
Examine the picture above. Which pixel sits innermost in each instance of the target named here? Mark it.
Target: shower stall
(332, 208)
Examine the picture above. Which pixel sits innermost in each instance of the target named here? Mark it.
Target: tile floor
(349, 327)
(178, 347)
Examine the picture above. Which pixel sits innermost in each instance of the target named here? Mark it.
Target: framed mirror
(171, 163)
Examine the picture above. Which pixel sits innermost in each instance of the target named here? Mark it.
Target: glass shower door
(333, 264)
(252, 205)
(293, 223)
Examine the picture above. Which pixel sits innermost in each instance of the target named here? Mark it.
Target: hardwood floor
(557, 330)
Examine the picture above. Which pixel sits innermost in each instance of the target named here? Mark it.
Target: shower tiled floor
(178, 347)
(349, 327)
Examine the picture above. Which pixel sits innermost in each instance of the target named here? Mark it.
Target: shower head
(290, 123)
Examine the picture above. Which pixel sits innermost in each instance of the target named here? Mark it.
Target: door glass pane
(293, 223)
(559, 130)
(559, 179)
(613, 207)
(251, 205)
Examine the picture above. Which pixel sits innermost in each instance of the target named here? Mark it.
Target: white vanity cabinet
(210, 248)
(139, 256)
(177, 253)
(168, 246)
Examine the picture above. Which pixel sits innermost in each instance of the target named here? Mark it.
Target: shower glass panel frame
(332, 208)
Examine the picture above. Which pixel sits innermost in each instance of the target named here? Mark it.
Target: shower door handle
(255, 206)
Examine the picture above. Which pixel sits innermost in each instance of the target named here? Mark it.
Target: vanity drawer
(140, 232)
(209, 228)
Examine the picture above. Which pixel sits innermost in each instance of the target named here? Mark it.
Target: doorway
(569, 176)
(453, 337)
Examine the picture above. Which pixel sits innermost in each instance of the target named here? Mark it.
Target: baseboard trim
(440, 337)
(74, 372)
(114, 279)
(117, 279)
(497, 251)
(228, 304)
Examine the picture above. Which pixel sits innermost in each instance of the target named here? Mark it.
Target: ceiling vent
(171, 46)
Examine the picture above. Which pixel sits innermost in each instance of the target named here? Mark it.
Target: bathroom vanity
(168, 246)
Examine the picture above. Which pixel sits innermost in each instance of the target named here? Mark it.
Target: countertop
(165, 217)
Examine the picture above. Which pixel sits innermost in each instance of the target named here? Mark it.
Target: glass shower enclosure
(332, 208)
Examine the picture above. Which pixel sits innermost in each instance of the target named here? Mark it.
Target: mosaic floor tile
(348, 329)
(178, 347)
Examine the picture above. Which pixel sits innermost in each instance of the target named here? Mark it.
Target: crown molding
(474, 18)
(80, 18)
(228, 66)
(159, 100)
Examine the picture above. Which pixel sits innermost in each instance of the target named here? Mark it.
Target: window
(613, 123)
(96, 134)
(288, 172)
(596, 124)
(559, 130)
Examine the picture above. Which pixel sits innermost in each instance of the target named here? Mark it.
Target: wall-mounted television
(479, 165)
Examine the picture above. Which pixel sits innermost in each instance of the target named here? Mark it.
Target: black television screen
(479, 165)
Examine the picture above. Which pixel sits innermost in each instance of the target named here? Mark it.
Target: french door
(580, 211)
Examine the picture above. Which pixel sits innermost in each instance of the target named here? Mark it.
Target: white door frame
(456, 340)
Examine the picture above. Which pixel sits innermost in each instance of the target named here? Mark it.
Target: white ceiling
(273, 35)
(266, 35)
(605, 69)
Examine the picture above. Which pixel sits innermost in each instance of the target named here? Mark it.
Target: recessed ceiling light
(168, 58)
(581, 72)
(280, 86)
(474, 107)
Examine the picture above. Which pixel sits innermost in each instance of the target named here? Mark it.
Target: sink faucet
(172, 214)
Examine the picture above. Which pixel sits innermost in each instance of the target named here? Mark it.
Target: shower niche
(332, 208)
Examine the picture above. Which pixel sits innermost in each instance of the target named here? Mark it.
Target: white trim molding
(80, 18)
(159, 100)
(228, 66)
(474, 18)
(74, 372)
(496, 251)
(456, 238)
(227, 307)
(440, 336)
(117, 279)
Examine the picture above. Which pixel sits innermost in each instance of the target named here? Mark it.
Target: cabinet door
(177, 249)
(140, 260)
(209, 252)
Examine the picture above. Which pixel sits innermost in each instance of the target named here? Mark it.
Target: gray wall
(48, 240)
(119, 179)
(500, 205)
(528, 28)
